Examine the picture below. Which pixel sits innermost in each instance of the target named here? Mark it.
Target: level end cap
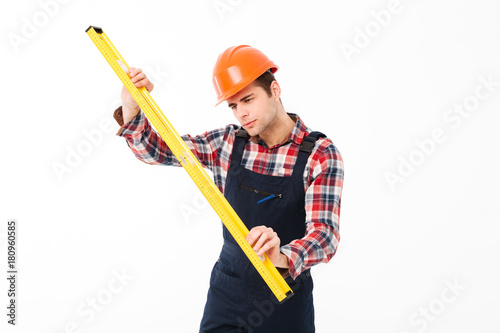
(288, 295)
(97, 29)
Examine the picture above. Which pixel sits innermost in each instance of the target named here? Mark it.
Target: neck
(280, 128)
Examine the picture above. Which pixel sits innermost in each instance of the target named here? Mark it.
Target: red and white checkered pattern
(323, 177)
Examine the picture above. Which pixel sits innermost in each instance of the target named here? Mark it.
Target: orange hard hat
(237, 67)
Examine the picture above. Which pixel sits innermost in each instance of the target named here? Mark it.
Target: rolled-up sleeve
(148, 146)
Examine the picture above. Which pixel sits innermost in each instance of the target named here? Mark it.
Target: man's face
(254, 109)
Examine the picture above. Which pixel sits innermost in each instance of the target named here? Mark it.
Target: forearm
(143, 140)
(318, 246)
(150, 148)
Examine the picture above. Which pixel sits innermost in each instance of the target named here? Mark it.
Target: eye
(248, 100)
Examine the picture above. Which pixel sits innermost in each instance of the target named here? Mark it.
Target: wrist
(129, 113)
(283, 266)
(282, 261)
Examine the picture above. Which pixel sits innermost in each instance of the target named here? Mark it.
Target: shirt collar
(296, 135)
(299, 130)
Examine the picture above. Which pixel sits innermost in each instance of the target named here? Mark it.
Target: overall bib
(239, 300)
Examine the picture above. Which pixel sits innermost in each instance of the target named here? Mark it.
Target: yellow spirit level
(191, 164)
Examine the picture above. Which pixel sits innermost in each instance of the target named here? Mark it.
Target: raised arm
(146, 143)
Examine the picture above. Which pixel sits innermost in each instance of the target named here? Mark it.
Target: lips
(250, 123)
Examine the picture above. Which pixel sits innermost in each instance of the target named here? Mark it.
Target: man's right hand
(130, 109)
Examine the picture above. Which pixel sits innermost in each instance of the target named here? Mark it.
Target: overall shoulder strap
(239, 145)
(305, 149)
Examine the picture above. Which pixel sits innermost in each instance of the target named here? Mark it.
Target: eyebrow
(241, 99)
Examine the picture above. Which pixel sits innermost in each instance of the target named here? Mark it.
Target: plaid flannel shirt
(323, 176)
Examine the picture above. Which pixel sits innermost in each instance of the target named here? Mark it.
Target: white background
(404, 245)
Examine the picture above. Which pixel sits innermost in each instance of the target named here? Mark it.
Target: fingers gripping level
(191, 164)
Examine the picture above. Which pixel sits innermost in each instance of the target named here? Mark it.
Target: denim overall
(238, 299)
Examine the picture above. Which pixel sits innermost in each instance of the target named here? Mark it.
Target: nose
(241, 112)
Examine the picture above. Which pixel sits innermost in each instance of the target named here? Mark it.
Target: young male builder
(283, 180)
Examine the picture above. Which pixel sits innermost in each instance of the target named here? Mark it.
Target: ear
(275, 91)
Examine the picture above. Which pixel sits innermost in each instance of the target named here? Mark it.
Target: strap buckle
(307, 144)
(309, 141)
(242, 134)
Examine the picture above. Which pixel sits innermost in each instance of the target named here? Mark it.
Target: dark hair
(265, 81)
